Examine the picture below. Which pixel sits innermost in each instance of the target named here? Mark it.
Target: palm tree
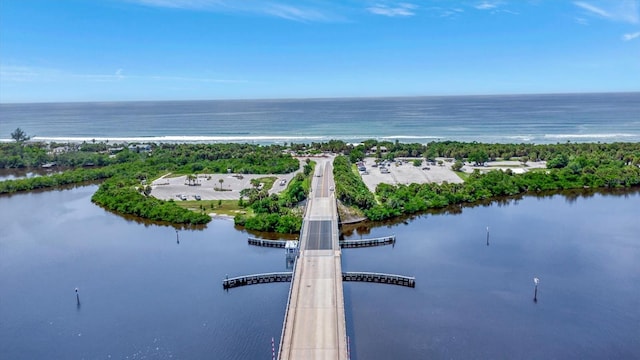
(191, 179)
(221, 181)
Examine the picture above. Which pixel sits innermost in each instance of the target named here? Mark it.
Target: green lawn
(463, 175)
(220, 207)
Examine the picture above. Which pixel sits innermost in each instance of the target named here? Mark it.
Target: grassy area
(268, 181)
(220, 207)
(463, 175)
(354, 169)
(514, 166)
(539, 170)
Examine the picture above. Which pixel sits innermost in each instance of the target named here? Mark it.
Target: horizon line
(320, 98)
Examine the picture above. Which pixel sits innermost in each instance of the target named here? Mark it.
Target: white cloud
(11, 73)
(619, 11)
(295, 13)
(274, 9)
(487, 5)
(15, 73)
(444, 12)
(593, 9)
(581, 21)
(191, 79)
(400, 9)
(631, 36)
(180, 4)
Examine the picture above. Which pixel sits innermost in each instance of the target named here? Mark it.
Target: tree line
(277, 213)
(123, 173)
(570, 166)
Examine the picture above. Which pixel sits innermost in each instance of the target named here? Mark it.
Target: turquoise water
(508, 118)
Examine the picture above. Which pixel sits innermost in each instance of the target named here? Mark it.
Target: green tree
(457, 166)
(479, 157)
(192, 179)
(19, 136)
(221, 181)
(356, 155)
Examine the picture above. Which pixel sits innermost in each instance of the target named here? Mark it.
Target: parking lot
(208, 186)
(398, 172)
(404, 172)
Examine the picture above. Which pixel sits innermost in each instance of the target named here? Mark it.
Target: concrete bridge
(314, 324)
(387, 240)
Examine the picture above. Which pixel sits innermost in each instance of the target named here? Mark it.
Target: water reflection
(487, 236)
(475, 301)
(77, 300)
(13, 174)
(154, 299)
(570, 197)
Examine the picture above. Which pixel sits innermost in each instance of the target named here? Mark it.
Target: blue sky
(111, 50)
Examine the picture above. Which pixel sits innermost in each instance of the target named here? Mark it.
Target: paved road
(319, 235)
(315, 322)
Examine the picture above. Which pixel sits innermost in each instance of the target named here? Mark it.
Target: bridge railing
(267, 243)
(252, 279)
(380, 278)
(286, 312)
(387, 240)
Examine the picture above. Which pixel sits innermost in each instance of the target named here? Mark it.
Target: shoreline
(279, 139)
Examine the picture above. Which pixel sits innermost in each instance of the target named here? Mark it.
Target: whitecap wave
(588, 136)
(409, 137)
(179, 139)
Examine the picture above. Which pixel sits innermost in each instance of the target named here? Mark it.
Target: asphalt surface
(315, 327)
(319, 235)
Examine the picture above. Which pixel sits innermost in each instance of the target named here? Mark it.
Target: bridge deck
(314, 326)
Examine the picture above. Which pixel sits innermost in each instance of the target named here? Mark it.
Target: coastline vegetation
(569, 166)
(350, 189)
(276, 213)
(125, 171)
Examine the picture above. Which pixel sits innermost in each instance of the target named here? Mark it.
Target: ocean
(546, 118)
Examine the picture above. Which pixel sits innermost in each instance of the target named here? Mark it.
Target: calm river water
(143, 295)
